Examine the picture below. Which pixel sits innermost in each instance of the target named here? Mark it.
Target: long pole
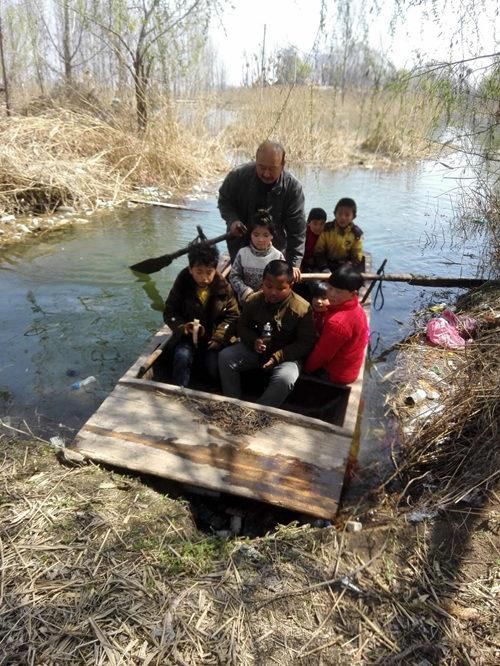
(4, 73)
(418, 280)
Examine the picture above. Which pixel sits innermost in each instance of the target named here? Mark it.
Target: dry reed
(65, 157)
(316, 125)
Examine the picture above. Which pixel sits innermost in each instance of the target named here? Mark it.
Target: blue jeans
(238, 358)
(184, 355)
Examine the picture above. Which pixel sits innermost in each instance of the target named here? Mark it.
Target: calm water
(69, 305)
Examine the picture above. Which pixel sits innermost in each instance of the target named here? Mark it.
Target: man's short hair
(346, 202)
(201, 254)
(273, 145)
(277, 268)
(346, 277)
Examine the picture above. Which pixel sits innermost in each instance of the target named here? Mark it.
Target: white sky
(296, 22)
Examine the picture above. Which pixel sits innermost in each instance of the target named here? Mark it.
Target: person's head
(345, 212)
(319, 296)
(343, 284)
(316, 220)
(261, 230)
(277, 281)
(269, 161)
(203, 260)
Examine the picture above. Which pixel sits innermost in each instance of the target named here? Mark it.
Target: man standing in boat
(265, 184)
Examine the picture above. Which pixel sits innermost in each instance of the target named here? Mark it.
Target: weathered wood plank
(174, 391)
(284, 464)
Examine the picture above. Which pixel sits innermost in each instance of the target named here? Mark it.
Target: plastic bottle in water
(83, 382)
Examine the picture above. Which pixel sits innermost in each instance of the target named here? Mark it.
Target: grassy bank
(73, 158)
(98, 568)
(74, 151)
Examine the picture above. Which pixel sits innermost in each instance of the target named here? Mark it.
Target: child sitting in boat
(276, 331)
(341, 242)
(199, 309)
(316, 221)
(340, 349)
(319, 303)
(250, 261)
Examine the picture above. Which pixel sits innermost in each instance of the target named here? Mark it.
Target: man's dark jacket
(216, 316)
(242, 193)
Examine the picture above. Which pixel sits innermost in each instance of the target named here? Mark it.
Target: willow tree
(138, 34)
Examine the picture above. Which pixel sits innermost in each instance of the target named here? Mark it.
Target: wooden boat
(293, 457)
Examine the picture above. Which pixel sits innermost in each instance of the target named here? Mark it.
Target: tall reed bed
(319, 125)
(63, 156)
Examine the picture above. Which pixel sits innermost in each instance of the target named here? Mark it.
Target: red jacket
(342, 343)
(311, 240)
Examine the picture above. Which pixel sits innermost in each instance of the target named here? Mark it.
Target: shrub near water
(67, 157)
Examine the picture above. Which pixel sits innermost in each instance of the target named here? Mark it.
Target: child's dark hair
(346, 277)
(277, 268)
(201, 254)
(262, 218)
(317, 214)
(318, 289)
(346, 202)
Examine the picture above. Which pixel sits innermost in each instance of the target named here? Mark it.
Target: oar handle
(148, 362)
(185, 250)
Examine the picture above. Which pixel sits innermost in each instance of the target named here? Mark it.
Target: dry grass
(98, 569)
(451, 449)
(65, 157)
(316, 126)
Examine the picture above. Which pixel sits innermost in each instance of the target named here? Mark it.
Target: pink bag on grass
(444, 334)
(466, 326)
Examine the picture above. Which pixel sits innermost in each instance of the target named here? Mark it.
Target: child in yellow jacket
(341, 242)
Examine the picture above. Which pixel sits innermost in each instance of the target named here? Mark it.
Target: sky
(240, 27)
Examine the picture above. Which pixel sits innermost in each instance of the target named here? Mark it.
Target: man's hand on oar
(157, 263)
(237, 229)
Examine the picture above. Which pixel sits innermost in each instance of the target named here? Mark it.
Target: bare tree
(137, 32)
(4, 72)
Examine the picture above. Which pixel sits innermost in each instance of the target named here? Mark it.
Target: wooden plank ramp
(153, 428)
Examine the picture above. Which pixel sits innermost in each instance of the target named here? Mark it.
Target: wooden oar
(157, 263)
(418, 280)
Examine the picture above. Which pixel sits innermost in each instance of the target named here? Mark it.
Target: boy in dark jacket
(276, 331)
(199, 309)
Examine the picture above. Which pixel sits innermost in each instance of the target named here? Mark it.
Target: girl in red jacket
(340, 349)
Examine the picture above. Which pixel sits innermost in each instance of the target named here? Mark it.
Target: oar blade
(153, 265)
